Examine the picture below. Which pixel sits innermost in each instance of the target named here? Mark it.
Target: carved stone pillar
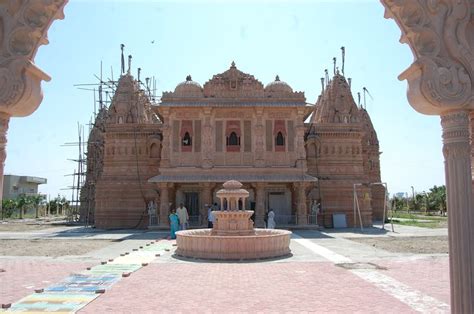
(301, 208)
(259, 204)
(457, 154)
(300, 148)
(4, 120)
(164, 204)
(207, 136)
(23, 28)
(259, 142)
(440, 83)
(165, 150)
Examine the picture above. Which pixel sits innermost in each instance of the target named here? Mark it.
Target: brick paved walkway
(22, 277)
(269, 287)
(303, 283)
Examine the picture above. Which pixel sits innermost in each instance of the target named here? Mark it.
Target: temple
(305, 161)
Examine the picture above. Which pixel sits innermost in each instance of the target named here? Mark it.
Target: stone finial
(188, 78)
(277, 78)
(129, 64)
(232, 65)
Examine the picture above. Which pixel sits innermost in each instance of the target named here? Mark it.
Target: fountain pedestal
(233, 223)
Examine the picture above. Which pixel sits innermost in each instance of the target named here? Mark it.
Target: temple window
(233, 139)
(279, 140)
(279, 133)
(233, 135)
(186, 136)
(187, 141)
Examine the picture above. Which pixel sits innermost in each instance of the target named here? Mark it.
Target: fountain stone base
(233, 238)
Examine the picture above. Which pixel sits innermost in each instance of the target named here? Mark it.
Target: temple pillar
(4, 120)
(206, 198)
(259, 139)
(23, 28)
(166, 144)
(207, 137)
(259, 204)
(440, 83)
(457, 154)
(164, 204)
(301, 208)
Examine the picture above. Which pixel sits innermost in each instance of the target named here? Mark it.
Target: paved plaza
(136, 272)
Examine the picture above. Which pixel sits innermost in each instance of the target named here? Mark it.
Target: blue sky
(294, 39)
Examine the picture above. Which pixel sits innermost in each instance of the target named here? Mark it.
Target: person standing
(174, 224)
(271, 219)
(183, 216)
(210, 217)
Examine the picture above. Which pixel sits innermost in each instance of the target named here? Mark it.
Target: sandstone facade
(182, 150)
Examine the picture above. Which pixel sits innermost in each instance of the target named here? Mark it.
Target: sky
(171, 39)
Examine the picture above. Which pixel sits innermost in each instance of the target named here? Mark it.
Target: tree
(437, 198)
(8, 207)
(58, 204)
(36, 201)
(23, 202)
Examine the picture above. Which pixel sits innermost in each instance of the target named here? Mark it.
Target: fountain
(233, 236)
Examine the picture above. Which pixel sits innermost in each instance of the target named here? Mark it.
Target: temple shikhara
(305, 161)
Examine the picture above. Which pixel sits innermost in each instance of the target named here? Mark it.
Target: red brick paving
(21, 277)
(253, 287)
(430, 275)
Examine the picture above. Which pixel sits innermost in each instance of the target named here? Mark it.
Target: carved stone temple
(299, 159)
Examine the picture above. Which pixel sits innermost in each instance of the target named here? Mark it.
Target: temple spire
(129, 64)
(334, 65)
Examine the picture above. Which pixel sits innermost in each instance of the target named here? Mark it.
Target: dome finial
(277, 78)
(188, 78)
(232, 65)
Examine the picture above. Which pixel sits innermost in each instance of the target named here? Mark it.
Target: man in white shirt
(183, 216)
(210, 217)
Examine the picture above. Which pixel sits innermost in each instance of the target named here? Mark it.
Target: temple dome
(188, 88)
(278, 86)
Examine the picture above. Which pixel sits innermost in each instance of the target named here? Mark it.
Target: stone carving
(24, 27)
(233, 82)
(439, 79)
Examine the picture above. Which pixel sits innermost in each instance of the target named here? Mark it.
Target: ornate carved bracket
(439, 80)
(23, 28)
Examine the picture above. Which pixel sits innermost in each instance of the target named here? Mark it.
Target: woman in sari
(174, 224)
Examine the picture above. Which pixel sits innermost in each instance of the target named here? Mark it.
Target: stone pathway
(327, 273)
(77, 290)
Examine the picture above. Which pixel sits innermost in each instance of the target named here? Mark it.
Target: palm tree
(37, 200)
(22, 202)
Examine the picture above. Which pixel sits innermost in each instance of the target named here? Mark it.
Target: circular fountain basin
(264, 243)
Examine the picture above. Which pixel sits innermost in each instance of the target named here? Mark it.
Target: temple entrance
(191, 202)
(281, 207)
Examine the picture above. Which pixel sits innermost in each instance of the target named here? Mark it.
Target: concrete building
(14, 186)
(145, 158)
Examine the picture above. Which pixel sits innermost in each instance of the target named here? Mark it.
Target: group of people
(179, 218)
